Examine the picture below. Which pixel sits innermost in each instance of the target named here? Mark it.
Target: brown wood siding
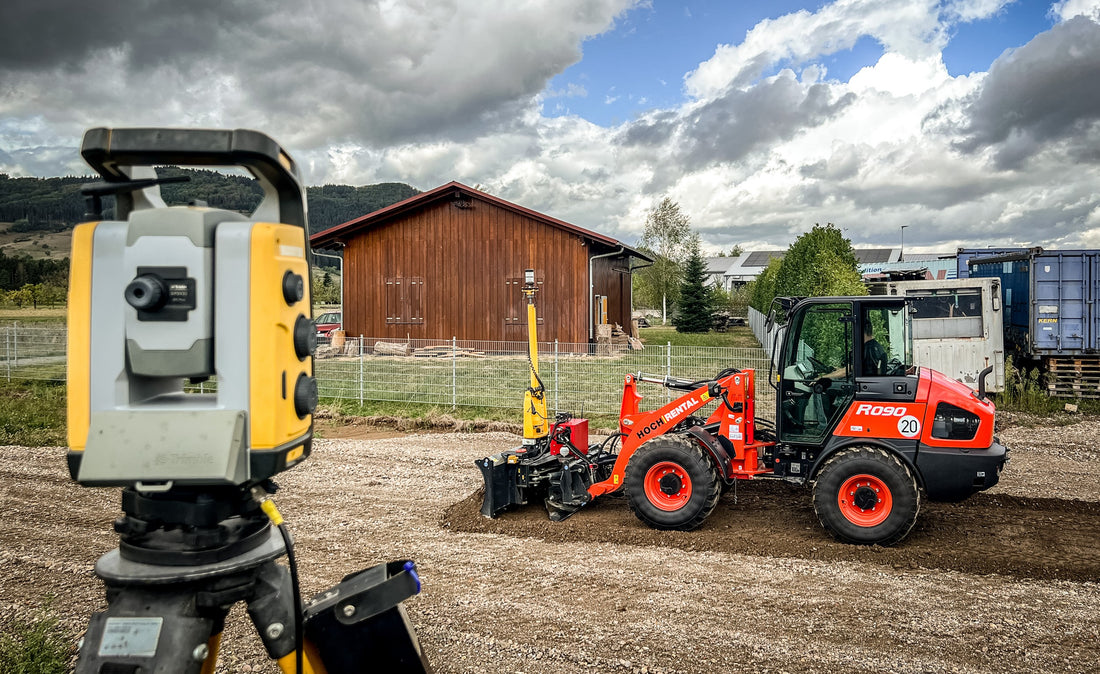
(465, 258)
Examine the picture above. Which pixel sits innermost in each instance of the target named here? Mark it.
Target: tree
(667, 237)
(695, 306)
(736, 300)
(820, 262)
(762, 289)
(326, 287)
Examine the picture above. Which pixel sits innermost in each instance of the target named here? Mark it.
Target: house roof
(758, 258)
(876, 255)
(718, 265)
(452, 191)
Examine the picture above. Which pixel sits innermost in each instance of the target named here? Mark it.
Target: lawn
(32, 413)
(54, 315)
(737, 336)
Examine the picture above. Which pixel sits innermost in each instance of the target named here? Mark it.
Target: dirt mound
(1038, 538)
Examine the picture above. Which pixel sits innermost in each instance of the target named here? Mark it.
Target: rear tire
(672, 484)
(866, 496)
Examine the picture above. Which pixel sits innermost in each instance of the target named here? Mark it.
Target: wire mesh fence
(32, 352)
(583, 379)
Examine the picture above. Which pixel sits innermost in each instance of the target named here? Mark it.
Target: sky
(968, 122)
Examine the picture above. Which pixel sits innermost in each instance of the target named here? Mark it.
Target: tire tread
(635, 475)
(835, 522)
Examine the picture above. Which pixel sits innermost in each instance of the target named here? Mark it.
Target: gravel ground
(1004, 582)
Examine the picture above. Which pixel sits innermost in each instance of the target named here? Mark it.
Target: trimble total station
(163, 296)
(191, 385)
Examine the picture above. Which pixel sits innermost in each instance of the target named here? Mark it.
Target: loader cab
(835, 349)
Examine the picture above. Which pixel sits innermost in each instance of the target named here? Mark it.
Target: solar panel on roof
(759, 258)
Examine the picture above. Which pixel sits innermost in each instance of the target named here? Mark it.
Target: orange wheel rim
(865, 500)
(667, 486)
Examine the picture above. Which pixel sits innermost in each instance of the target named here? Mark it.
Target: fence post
(15, 342)
(556, 378)
(7, 350)
(668, 369)
(454, 373)
(360, 371)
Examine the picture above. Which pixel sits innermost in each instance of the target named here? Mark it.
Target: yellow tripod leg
(311, 662)
(212, 654)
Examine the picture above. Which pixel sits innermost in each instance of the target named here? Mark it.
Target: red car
(326, 323)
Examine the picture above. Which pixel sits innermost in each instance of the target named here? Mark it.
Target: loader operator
(874, 356)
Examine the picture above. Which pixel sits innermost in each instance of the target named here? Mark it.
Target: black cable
(299, 637)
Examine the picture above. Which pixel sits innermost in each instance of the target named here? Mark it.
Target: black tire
(881, 499)
(684, 484)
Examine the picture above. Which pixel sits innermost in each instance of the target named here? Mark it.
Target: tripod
(187, 556)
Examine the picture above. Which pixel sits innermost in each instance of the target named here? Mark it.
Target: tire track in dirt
(1031, 538)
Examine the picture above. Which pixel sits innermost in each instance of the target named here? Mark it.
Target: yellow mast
(535, 422)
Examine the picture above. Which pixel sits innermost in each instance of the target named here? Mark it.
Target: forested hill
(55, 204)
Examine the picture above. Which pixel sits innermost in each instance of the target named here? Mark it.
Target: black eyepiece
(147, 292)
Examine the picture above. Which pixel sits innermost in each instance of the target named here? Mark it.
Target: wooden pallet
(1073, 377)
(444, 351)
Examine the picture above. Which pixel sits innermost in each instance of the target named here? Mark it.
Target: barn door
(404, 300)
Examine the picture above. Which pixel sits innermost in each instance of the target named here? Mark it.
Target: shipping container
(1051, 314)
(957, 327)
(1050, 299)
(964, 255)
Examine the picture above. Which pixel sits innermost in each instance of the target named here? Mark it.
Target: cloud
(911, 29)
(764, 144)
(1067, 9)
(378, 72)
(1038, 96)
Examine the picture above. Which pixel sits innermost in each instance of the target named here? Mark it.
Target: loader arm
(734, 414)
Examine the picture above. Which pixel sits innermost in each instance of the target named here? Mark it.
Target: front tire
(866, 496)
(671, 484)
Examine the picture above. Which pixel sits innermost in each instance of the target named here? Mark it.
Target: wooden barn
(450, 263)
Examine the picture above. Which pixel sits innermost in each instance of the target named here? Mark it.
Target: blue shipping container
(964, 255)
(1049, 299)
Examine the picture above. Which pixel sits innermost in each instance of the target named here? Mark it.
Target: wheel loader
(869, 433)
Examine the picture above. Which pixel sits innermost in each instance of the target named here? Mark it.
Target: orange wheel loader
(871, 434)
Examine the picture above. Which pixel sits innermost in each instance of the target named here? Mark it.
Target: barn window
(403, 300)
(516, 307)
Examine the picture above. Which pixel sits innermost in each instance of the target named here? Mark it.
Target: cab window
(887, 346)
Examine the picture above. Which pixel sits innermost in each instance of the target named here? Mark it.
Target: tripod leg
(213, 645)
(311, 664)
(271, 608)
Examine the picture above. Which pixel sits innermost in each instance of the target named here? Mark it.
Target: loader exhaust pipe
(981, 382)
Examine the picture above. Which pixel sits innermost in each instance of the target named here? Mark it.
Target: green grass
(583, 384)
(32, 414)
(412, 416)
(737, 336)
(45, 315)
(1025, 393)
(36, 645)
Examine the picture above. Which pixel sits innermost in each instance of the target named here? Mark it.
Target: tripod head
(161, 295)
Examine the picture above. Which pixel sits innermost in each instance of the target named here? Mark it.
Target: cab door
(816, 372)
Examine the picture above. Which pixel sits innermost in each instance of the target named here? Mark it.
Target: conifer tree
(695, 309)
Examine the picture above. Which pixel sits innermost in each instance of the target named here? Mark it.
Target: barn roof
(455, 191)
